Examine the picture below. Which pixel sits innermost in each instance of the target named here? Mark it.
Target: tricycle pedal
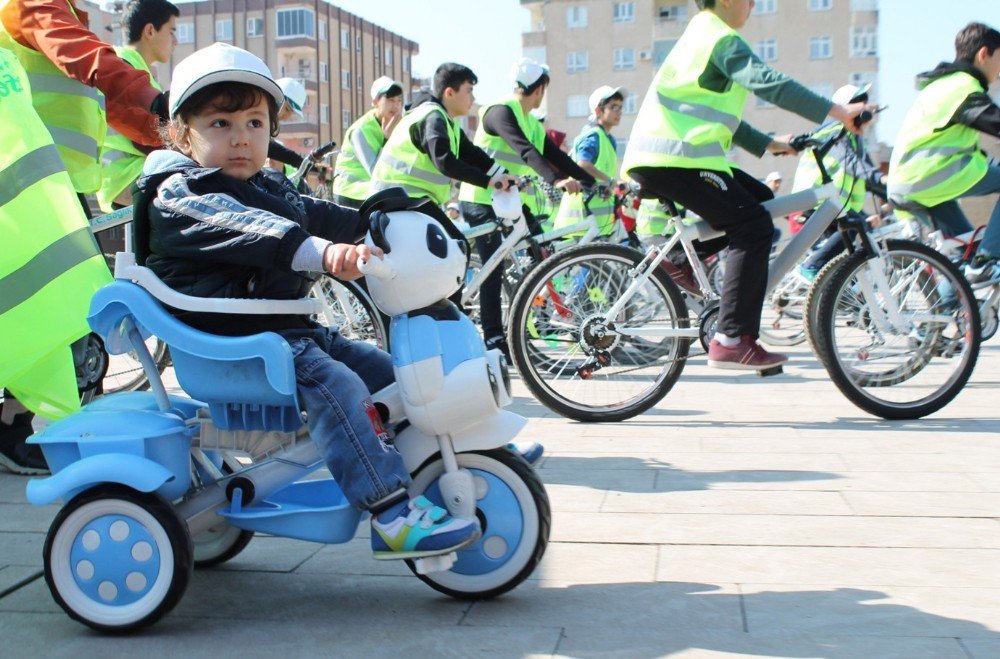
(435, 563)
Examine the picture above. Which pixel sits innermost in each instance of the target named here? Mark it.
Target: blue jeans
(336, 377)
(952, 221)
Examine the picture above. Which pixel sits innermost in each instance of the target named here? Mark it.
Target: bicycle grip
(319, 152)
(376, 267)
(863, 118)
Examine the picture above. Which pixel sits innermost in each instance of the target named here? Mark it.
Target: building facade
(588, 43)
(335, 54)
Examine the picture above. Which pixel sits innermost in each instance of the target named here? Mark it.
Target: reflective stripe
(29, 169)
(347, 177)
(370, 156)
(402, 167)
(71, 139)
(935, 151)
(670, 147)
(505, 158)
(46, 266)
(702, 112)
(60, 84)
(935, 179)
(109, 156)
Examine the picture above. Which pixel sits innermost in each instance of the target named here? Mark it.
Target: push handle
(376, 267)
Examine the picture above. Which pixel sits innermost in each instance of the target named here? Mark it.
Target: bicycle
(601, 332)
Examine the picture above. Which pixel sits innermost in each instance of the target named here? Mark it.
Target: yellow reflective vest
(402, 165)
(680, 123)
(351, 179)
(935, 161)
(50, 265)
(571, 208)
(121, 162)
(73, 112)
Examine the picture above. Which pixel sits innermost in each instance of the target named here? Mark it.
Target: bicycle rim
(909, 367)
(782, 321)
(125, 372)
(349, 308)
(581, 368)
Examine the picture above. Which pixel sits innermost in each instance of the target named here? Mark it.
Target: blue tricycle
(156, 484)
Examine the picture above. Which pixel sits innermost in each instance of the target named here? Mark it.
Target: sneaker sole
(402, 555)
(735, 366)
(19, 469)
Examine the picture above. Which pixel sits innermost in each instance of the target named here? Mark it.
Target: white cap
(602, 94)
(773, 176)
(383, 85)
(295, 94)
(219, 62)
(848, 93)
(527, 71)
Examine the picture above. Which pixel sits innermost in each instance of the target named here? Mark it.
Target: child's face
(459, 101)
(235, 141)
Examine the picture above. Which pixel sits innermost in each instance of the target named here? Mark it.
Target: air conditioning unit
(307, 141)
(645, 55)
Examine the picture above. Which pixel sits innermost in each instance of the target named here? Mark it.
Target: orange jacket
(49, 27)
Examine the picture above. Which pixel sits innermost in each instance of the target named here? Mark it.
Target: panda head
(429, 263)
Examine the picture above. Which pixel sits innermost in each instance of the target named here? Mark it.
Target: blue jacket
(210, 235)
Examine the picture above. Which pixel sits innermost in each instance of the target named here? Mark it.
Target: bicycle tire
(363, 321)
(814, 299)
(125, 373)
(918, 276)
(788, 297)
(531, 334)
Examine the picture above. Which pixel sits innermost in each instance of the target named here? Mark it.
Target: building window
(323, 72)
(624, 12)
(322, 32)
(345, 38)
(864, 5)
(629, 104)
(576, 17)
(345, 118)
(296, 23)
(576, 61)
(324, 113)
(361, 82)
(820, 48)
(576, 106)
(766, 50)
(357, 42)
(661, 49)
(761, 104)
(766, 7)
(388, 55)
(864, 41)
(255, 27)
(820, 5)
(224, 29)
(345, 80)
(185, 33)
(624, 59)
(406, 63)
(671, 13)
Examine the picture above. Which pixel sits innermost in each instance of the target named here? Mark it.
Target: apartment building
(587, 43)
(335, 54)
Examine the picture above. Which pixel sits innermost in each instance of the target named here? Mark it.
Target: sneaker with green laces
(420, 529)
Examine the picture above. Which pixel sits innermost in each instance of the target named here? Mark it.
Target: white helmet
(429, 265)
(295, 94)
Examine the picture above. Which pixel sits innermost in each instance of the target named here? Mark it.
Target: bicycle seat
(247, 382)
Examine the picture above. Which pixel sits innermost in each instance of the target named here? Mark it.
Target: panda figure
(447, 379)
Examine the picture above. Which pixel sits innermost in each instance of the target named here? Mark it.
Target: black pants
(490, 313)
(731, 204)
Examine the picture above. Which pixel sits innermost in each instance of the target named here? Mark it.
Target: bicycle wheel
(125, 372)
(903, 366)
(814, 299)
(782, 321)
(349, 308)
(579, 363)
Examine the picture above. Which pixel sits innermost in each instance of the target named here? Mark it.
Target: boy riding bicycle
(219, 227)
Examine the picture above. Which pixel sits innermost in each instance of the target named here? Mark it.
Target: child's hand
(341, 259)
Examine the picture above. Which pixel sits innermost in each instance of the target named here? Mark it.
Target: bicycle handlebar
(320, 152)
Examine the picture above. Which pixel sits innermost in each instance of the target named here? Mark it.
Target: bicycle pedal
(768, 372)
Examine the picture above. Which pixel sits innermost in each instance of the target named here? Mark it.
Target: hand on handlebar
(341, 259)
(850, 113)
(570, 185)
(503, 182)
(781, 146)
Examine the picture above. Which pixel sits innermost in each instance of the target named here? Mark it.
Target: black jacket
(210, 235)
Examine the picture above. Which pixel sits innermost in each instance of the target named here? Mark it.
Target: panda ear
(378, 225)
